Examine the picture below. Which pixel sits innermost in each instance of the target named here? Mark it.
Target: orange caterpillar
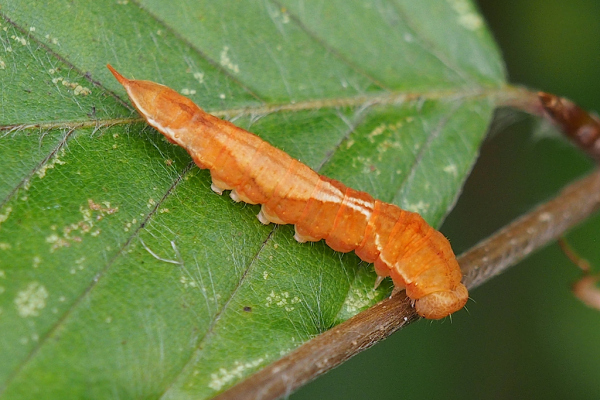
(400, 243)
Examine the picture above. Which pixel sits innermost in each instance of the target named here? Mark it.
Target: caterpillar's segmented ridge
(400, 243)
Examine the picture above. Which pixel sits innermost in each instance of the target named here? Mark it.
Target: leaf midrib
(388, 98)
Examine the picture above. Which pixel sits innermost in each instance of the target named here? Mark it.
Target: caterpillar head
(440, 304)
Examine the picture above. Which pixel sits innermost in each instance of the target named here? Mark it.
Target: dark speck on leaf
(248, 309)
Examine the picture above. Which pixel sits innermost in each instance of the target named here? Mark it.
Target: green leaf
(121, 273)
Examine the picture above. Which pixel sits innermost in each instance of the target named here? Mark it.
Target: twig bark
(484, 261)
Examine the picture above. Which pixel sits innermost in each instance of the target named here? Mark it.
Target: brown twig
(484, 261)
(531, 231)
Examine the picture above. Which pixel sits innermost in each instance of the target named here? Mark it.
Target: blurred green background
(524, 335)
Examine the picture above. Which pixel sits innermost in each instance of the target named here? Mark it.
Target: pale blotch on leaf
(282, 300)
(367, 165)
(56, 242)
(385, 145)
(451, 169)
(79, 262)
(52, 40)
(467, 16)
(20, 40)
(224, 376)
(359, 299)
(226, 62)
(31, 300)
(187, 282)
(420, 207)
(41, 173)
(74, 233)
(199, 76)
(4, 216)
(376, 132)
(77, 88)
(280, 14)
(128, 225)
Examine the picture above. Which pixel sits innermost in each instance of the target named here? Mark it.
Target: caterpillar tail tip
(122, 80)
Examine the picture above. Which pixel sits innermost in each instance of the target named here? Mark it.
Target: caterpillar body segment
(399, 243)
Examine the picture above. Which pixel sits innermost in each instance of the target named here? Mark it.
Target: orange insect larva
(400, 243)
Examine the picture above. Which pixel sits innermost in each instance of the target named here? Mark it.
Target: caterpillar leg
(397, 288)
(238, 196)
(234, 196)
(216, 189)
(265, 215)
(219, 186)
(378, 282)
(303, 238)
(261, 217)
